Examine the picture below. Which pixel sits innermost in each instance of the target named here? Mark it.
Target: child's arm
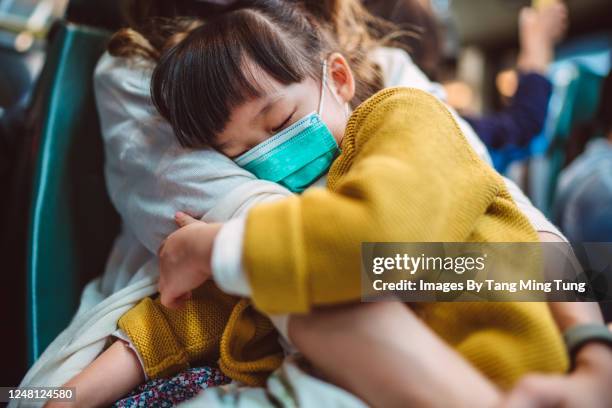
(406, 173)
(112, 375)
(566, 314)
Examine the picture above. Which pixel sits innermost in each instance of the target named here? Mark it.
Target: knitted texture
(406, 174)
(212, 328)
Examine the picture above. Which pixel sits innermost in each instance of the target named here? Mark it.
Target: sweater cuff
(161, 353)
(121, 336)
(227, 268)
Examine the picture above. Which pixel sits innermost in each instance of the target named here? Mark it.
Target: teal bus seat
(72, 223)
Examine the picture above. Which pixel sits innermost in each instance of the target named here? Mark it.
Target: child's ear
(341, 77)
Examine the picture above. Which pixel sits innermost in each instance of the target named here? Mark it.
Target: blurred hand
(539, 31)
(587, 386)
(553, 20)
(185, 259)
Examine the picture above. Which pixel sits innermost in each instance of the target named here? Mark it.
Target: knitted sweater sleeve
(211, 328)
(406, 173)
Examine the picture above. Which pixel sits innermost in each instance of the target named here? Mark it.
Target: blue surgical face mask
(297, 156)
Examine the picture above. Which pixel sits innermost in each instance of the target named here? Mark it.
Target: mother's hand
(185, 259)
(587, 386)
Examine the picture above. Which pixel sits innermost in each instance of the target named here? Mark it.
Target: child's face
(282, 105)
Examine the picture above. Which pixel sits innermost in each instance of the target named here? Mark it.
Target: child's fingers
(183, 219)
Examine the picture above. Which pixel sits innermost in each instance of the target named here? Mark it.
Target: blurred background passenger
(583, 206)
(540, 30)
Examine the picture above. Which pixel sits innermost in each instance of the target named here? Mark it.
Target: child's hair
(200, 80)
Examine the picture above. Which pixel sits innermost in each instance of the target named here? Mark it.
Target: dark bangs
(198, 82)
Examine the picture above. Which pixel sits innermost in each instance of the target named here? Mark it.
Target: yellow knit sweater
(406, 173)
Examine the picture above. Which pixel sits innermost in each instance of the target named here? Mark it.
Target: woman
(198, 175)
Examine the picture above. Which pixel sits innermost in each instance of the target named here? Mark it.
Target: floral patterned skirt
(167, 392)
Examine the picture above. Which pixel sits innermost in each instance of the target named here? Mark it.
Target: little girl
(265, 86)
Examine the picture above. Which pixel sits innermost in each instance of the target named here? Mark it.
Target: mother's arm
(148, 175)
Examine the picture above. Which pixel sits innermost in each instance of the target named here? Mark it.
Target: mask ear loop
(323, 82)
(347, 109)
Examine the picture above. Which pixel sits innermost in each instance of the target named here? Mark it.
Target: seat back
(72, 223)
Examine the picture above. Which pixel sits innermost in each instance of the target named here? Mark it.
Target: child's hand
(185, 258)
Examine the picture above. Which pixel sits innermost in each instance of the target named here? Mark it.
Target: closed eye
(285, 122)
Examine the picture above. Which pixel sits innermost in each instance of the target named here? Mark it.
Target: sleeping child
(265, 85)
